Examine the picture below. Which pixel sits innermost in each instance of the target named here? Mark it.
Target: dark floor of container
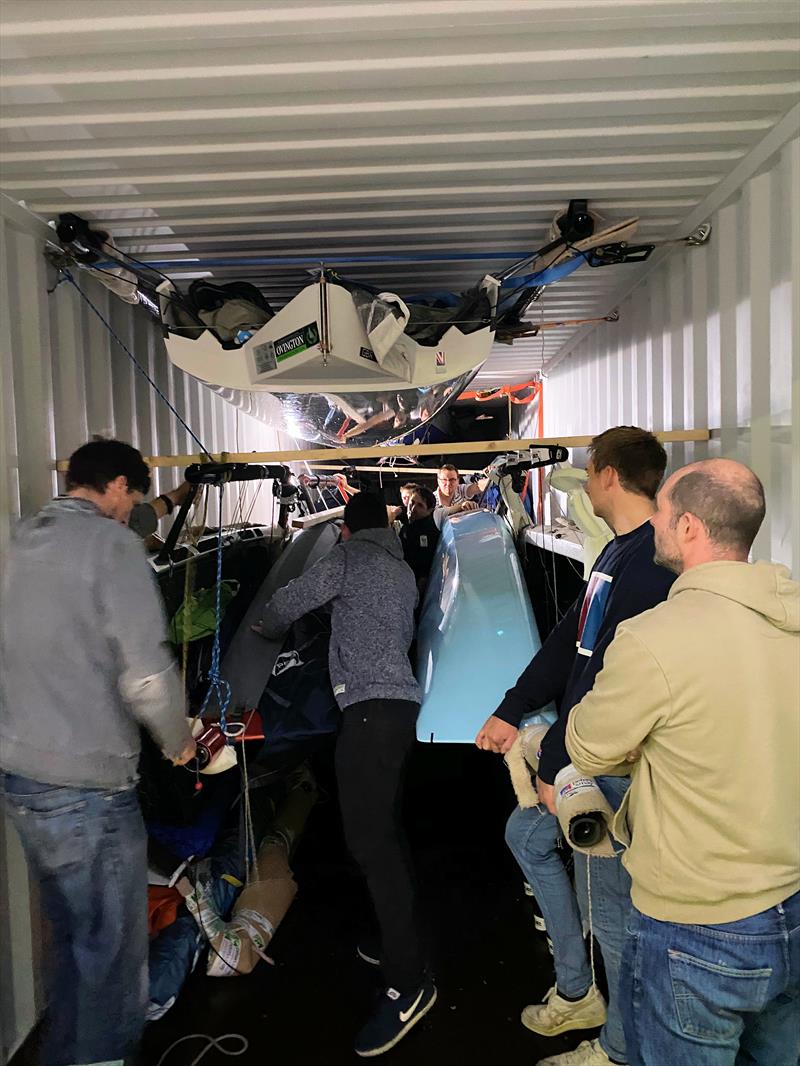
(487, 959)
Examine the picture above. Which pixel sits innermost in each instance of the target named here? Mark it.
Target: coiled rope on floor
(214, 1043)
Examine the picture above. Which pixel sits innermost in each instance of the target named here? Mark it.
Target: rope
(68, 277)
(217, 685)
(188, 590)
(591, 924)
(191, 535)
(249, 832)
(215, 1043)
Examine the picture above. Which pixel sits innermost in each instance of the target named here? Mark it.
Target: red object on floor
(162, 908)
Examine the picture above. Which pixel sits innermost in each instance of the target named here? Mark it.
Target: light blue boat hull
(476, 632)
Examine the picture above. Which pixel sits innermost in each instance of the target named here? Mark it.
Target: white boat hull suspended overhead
(335, 368)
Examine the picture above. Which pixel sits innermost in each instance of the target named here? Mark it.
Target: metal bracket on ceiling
(615, 254)
(57, 257)
(699, 235)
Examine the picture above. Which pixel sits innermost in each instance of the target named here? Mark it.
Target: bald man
(701, 696)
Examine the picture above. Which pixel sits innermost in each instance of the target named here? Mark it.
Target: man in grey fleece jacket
(84, 664)
(372, 593)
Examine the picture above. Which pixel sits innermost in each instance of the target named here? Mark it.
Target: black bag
(298, 708)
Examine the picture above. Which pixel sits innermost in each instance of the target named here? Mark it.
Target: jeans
(372, 750)
(87, 850)
(533, 836)
(610, 888)
(714, 995)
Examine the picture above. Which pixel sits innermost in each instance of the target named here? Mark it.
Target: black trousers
(375, 741)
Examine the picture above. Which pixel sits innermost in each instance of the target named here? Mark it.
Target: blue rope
(217, 685)
(68, 277)
(314, 260)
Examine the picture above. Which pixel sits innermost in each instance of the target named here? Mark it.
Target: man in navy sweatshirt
(625, 468)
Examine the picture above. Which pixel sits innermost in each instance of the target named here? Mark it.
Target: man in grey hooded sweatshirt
(372, 593)
(84, 664)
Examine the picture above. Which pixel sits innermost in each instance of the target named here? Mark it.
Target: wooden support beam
(309, 521)
(333, 469)
(378, 451)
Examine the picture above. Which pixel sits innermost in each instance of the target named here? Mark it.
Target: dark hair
(426, 496)
(448, 466)
(731, 510)
(410, 486)
(637, 456)
(94, 464)
(365, 510)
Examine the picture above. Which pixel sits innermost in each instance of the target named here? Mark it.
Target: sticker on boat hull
(268, 355)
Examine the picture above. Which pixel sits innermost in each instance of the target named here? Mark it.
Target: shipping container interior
(410, 147)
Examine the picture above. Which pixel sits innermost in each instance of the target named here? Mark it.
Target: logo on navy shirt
(593, 611)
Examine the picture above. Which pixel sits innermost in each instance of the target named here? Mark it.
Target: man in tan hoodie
(701, 694)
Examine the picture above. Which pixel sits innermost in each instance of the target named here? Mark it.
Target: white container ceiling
(233, 129)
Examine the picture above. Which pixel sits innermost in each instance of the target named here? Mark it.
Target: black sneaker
(394, 1015)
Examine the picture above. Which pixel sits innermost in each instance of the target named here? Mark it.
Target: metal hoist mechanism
(508, 471)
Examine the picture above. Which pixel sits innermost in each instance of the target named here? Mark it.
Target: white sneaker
(587, 1053)
(556, 1015)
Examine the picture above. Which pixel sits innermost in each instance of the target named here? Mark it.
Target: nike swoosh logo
(406, 1014)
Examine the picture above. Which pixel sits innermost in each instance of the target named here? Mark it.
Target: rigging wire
(68, 277)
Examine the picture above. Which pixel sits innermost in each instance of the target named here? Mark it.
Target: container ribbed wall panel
(710, 338)
(64, 378)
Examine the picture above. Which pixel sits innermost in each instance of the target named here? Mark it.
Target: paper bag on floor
(270, 890)
(259, 910)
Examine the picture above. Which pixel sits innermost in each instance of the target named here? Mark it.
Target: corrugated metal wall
(710, 338)
(63, 378)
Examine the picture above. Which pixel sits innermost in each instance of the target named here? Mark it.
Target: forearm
(157, 703)
(630, 698)
(475, 488)
(315, 587)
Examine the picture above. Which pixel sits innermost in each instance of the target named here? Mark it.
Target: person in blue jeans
(625, 468)
(84, 664)
(700, 698)
(533, 835)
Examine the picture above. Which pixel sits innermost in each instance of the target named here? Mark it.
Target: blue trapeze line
(548, 276)
(325, 260)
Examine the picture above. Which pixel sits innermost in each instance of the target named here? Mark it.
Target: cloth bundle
(522, 757)
(238, 944)
(583, 812)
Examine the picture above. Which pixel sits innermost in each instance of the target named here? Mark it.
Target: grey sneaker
(587, 1053)
(556, 1015)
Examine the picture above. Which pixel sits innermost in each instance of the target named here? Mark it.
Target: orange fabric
(162, 907)
(482, 395)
